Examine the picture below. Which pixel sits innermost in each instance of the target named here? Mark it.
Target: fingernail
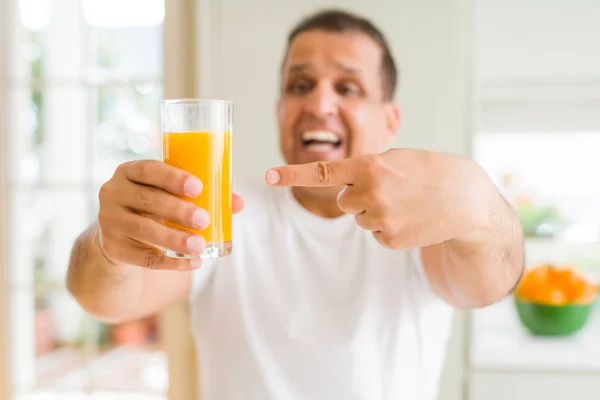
(201, 218)
(193, 187)
(272, 177)
(196, 263)
(196, 244)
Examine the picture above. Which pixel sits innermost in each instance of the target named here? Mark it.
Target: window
(83, 86)
(550, 178)
(542, 153)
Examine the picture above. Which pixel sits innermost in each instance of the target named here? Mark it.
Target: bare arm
(117, 293)
(483, 267)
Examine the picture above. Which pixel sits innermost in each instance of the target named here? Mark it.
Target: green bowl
(549, 320)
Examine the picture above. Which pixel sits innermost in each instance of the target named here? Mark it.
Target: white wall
(538, 65)
(241, 44)
(429, 38)
(538, 40)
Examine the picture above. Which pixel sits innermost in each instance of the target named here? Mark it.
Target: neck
(319, 201)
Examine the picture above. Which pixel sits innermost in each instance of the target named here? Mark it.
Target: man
(347, 262)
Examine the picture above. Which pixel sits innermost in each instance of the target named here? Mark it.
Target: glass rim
(196, 101)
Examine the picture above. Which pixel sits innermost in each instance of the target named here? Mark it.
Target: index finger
(163, 176)
(322, 173)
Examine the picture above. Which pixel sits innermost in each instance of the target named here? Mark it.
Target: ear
(392, 122)
(278, 112)
(279, 109)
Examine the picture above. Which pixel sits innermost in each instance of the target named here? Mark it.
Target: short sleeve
(415, 261)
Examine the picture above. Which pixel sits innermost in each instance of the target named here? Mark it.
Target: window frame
(5, 386)
(181, 80)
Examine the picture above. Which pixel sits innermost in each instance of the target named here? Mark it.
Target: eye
(299, 87)
(348, 88)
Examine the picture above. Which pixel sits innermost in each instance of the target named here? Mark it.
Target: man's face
(332, 105)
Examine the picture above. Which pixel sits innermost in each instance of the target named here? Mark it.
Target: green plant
(532, 217)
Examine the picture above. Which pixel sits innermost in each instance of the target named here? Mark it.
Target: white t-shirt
(313, 308)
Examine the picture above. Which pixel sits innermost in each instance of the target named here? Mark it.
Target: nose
(323, 101)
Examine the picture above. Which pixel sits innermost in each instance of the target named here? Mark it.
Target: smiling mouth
(321, 141)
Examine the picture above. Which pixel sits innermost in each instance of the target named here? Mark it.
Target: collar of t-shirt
(320, 225)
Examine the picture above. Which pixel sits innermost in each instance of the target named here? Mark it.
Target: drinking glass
(197, 138)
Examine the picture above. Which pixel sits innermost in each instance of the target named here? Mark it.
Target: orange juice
(207, 156)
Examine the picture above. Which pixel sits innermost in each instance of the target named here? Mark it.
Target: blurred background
(513, 84)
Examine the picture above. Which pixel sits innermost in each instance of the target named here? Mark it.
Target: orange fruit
(549, 295)
(548, 284)
(531, 281)
(582, 292)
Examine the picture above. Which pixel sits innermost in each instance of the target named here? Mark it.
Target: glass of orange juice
(197, 138)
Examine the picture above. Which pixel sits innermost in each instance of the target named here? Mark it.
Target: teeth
(319, 148)
(321, 136)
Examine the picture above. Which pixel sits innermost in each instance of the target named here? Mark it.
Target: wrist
(97, 242)
(107, 264)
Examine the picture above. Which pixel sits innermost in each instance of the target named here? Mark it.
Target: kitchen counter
(500, 342)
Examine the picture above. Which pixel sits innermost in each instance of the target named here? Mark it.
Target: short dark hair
(339, 21)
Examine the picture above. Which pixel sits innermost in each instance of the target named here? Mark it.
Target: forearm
(484, 267)
(109, 292)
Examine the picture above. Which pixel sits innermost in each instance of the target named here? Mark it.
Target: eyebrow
(299, 67)
(306, 66)
(347, 69)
